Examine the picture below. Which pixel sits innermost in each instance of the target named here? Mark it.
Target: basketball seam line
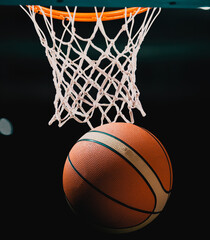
(103, 226)
(108, 196)
(139, 156)
(171, 171)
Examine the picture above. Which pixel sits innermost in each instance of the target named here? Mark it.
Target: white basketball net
(85, 82)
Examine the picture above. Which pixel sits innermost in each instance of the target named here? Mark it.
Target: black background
(173, 77)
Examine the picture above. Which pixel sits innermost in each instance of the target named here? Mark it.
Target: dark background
(173, 77)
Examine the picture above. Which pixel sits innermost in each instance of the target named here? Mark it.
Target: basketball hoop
(88, 17)
(86, 84)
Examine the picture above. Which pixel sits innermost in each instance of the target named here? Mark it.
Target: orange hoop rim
(88, 17)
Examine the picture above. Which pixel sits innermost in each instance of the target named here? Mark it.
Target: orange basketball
(118, 176)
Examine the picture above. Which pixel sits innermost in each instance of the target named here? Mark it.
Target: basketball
(118, 177)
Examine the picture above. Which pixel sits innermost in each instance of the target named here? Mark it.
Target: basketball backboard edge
(113, 3)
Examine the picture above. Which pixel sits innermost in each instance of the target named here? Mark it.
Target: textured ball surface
(118, 176)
